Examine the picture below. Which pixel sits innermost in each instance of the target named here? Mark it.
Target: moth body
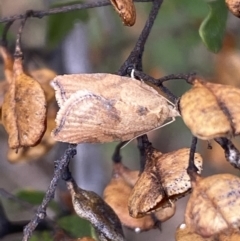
(105, 108)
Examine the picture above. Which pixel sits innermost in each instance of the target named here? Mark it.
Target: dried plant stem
(232, 154)
(64, 9)
(18, 50)
(116, 157)
(41, 211)
(192, 169)
(156, 82)
(135, 57)
(143, 143)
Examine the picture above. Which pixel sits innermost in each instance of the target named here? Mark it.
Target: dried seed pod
(44, 77)
(24, 109)
(211, 110)
(214, 205)
(183, 233)
(234, 7)
(126, 10)
(106, 101)
(26, 154)
(165, 213)
(90, 206)
(116, 195)
(129, 176)
(158, 187)
(229, 236)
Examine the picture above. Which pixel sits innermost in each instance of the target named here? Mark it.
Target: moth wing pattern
(133, 107)
(77, 122)
(109, 85)
(197, 115)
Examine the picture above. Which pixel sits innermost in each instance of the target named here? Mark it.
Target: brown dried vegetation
(126, 10)
(211, 110)
(163, 181)
(213, 206)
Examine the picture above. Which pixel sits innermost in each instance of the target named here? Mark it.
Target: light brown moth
(126, 10)
(106, 107)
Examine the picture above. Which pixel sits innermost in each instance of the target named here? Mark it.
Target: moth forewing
(106, 108)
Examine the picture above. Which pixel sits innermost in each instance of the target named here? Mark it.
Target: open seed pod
(183, 233)
(163, 181)
(214, 205)
(116, 195)
(234, 7)
(211, 110)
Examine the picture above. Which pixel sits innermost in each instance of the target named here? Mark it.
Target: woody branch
(64, 9)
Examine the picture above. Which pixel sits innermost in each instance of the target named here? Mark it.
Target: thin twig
(41, 211)
(175, 76)
(135, 57)
(143, 144)
(153, 81)
(64, 9)
(116, 157)
(18, 50)
(192, 169)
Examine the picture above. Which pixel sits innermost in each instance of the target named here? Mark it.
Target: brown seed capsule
(166, 213)
(163, 181)
(126, 10)
(234, 7)
(211, 110)
(214, 205)
(44, 77)
(183, 233)
(229, 235)
(96, 107)
(24, 109)
(116, 195)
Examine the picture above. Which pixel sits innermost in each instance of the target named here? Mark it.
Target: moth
(97, 108)
(126, 10)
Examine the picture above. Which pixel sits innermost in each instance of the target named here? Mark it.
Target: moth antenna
(167, 123)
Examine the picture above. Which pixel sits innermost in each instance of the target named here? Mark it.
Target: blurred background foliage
(95, 40)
